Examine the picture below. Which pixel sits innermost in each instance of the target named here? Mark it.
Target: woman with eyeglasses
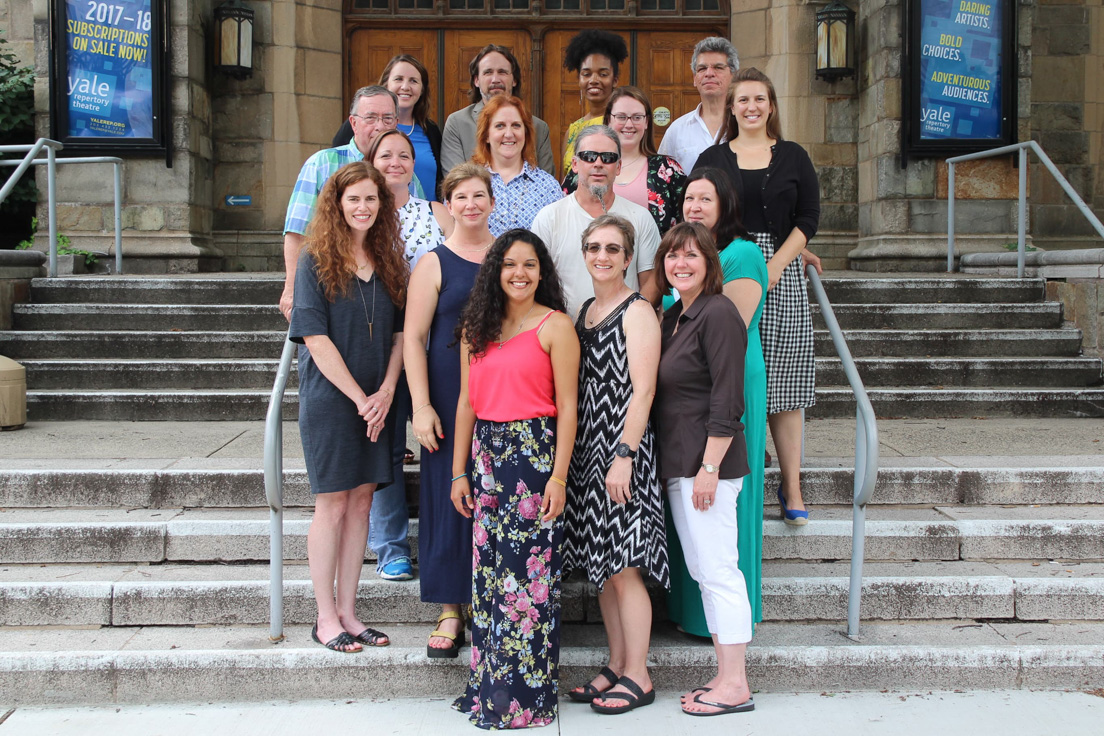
(647, 178)
(506, 144)
(614, 527)
(596, 57)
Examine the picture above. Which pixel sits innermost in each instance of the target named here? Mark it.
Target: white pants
(709, 545)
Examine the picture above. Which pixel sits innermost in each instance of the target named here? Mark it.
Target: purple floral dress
(516, 570)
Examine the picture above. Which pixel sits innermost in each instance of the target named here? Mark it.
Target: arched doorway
(446, 34)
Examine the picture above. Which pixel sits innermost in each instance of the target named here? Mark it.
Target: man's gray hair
(715, 45)
(372, 90)
(598, 130)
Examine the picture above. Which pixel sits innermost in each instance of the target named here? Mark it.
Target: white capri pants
(709, 545)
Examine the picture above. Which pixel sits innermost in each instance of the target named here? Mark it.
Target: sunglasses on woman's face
(611, 248)
(608, 157)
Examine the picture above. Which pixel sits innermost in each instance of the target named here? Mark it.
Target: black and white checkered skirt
(786, 330)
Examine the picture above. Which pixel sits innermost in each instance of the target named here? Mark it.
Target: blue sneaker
(399, 568)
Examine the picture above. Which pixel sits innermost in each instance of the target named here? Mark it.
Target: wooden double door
(658, 63)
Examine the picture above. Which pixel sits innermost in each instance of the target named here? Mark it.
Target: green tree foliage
(16, 126)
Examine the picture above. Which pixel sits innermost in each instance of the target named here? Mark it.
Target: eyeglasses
(373, 118)
(608, 157)
(637, 119)
(594, 248)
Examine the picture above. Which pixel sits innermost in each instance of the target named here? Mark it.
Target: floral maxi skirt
(516, 571)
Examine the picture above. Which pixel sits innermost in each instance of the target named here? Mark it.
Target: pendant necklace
(520, 325)
(364, 304)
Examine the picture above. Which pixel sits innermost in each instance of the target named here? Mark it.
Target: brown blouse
(700, 389)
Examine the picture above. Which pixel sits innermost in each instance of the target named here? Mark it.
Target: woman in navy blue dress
(439, 289)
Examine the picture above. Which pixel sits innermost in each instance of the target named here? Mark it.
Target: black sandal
(338, 643)
(453, 650)
(373, 638)
(634, 698)
(587, 693)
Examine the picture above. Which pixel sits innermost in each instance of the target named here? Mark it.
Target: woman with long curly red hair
(350, 292)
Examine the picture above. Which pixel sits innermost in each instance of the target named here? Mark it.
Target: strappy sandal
(373, 638)
(634, 698)
(338, 643)
(586, 693)
(453, 650)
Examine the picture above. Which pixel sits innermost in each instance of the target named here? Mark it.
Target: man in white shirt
(560, 225)
(713, 63)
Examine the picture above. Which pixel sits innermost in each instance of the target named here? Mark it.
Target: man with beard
(560, 225)
(494, 71)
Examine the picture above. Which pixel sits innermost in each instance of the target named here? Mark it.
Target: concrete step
(139, 344)
(925, 289)
(248, 404)
(152, 664)
(254, 288)
(951, 343)
(107, 373)
(211, 345)
(59, 535)
(899, 402)
(218, 317)
(1031, 315)
(259, 373)
(946, 372)
(211, 484)
(164, 318)
(191, 595)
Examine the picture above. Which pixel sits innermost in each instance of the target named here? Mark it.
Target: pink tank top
(513, 379)
(636, 191)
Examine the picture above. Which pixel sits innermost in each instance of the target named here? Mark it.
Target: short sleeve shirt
(518, 201)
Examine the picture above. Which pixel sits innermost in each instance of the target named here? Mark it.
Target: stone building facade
(250, 137)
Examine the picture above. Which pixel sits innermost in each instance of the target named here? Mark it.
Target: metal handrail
(274, 492)
(866, 452)
(1021, 236)
(51, 163)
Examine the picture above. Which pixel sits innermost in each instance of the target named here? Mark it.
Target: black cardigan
(433, 133)
(791, 192)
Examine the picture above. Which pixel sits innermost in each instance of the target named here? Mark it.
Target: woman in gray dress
(350, 289)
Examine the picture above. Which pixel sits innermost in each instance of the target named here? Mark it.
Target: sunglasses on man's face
(608, 157)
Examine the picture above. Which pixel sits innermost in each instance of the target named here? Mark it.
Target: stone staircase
(133, 578)
(206, 347)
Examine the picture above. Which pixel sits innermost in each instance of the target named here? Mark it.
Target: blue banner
(110, 68)
(960, 69)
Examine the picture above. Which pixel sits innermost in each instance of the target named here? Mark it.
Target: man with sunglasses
(597, 162)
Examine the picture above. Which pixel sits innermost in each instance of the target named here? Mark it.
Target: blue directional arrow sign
(238, 200)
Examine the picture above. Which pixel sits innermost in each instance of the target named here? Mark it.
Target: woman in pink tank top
(519, 364)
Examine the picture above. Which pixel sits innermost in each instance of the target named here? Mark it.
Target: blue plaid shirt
(318, 168)
(518, 201)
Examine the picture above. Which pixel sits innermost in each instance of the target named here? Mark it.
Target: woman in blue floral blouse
(647, 178)
(519, 379)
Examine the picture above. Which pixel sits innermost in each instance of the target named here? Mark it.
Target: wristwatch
(709, 468)
(624, 450)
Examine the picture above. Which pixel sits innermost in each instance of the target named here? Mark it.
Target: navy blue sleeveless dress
(444, 536)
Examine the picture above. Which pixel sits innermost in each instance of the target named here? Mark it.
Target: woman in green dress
(710, 199)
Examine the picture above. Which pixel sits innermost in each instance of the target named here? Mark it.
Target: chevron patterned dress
(601, 537)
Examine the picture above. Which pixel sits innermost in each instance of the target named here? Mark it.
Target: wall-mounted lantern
(234, 39)
(835, 42)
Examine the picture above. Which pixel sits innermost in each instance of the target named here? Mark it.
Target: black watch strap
(623, 450)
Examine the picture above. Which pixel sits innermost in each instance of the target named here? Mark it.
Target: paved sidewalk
(1007, 713)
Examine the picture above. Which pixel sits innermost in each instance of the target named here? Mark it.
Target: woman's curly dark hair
(594, 41)
(730, 223)
(481, 320)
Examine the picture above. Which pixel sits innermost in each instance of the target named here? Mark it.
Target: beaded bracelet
(561, 482)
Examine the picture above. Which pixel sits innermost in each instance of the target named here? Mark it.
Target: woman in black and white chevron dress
(614, 528)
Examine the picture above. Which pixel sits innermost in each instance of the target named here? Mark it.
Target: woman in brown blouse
(702, 453)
